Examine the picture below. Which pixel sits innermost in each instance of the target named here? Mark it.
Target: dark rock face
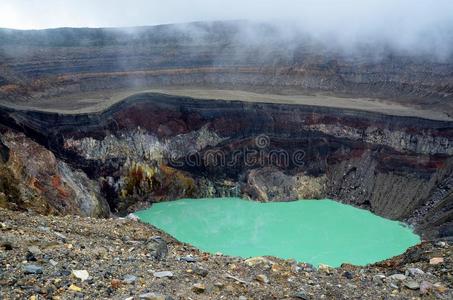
(153, 147)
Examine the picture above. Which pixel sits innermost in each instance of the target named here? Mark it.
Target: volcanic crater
(118, 130)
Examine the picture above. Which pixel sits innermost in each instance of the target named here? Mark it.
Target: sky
(319, 15)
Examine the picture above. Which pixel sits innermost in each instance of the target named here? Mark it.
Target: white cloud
(315, 15)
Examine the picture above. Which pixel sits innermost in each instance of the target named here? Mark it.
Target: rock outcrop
(32, 178)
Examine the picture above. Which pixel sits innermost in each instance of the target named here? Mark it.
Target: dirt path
(98, 101)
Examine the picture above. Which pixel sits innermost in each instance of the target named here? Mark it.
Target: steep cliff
(152, 147)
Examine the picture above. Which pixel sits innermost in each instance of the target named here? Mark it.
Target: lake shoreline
(311, 231)
(111, 249)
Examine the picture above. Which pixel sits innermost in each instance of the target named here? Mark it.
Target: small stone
(348, 275)
(158, 247)
(132, 217)
(32, 269)
(325, 268)
(115, 283)
(242, 298)
(199, 288)
(129, 279)
(262, 278)
(53, 263)
(34, 250)
(436, 260)
(75, 288)
(219, 285)
(200, 271)
(295, 268)
(81, 274)
(253, 261)
(378, 278)
(414, 272)
(44, 228)
(163, 274)
(276, 268)
(441, 244)
(152, 296)
(189, 259)
(7, 246)
(301, 295)
(61, 236)
(308, 267)
(393, 286)
(412, 284)
(351, 286)
(425, 287)
(397, 277)
(30, 257)
(439, 287)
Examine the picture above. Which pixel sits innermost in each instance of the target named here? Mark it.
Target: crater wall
(53, 63)
(154, 147)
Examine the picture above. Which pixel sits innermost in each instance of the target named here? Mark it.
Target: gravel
(122, 258)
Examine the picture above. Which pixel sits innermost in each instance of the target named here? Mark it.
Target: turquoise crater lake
(313, 231)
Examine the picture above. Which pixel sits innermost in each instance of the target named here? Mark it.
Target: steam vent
(306, 171)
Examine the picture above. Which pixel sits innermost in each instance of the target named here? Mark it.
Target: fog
(409, 25)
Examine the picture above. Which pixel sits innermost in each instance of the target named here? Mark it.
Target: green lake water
(313, 231)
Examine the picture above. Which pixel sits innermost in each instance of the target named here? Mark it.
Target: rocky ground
(48, 257)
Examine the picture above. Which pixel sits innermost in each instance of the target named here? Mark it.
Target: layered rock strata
(154, 147)
(239, 55)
